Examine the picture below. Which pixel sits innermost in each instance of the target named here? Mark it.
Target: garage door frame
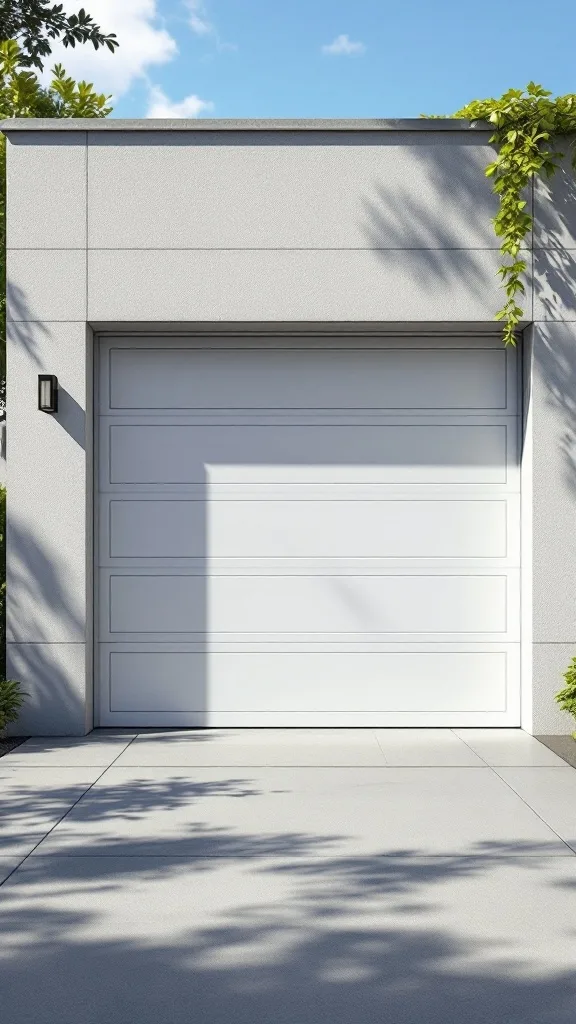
(286, 331)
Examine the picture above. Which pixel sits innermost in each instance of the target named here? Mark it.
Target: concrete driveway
(298, 876)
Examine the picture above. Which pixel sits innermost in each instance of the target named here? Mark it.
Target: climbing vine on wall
(527, 126)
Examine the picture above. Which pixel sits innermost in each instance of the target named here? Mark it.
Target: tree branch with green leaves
(36, 23)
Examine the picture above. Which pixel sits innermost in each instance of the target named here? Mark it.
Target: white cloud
(144, 42)
(201, 25)
(197, 17)
(161, 106)
(343, 46)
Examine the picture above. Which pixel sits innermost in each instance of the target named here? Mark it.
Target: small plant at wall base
(526, 124)
(12, 699)
(566, 698)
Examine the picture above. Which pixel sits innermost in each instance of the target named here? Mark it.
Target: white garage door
(308, 531)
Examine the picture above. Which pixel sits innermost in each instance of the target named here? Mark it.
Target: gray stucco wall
(552, 342)
(232, 226)
(373, 227)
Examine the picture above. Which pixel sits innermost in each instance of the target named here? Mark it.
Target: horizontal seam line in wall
(152, 327)
(258, 248)
(47, 320)
(47, 643)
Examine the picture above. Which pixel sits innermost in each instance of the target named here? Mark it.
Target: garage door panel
(392, 682)
(362, 529)
(155, 529)
(183, 454)
(329, 378)
(249, 609)
(404, 681)
(155, 604)
(163, 681)
(357, 604)
(148, 529)
(264, 536)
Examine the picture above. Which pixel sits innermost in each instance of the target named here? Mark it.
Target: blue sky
(323, 58)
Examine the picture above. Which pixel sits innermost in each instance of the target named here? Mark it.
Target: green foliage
(11, 695)
(35, 24)
(2, 274)
(566, 698)
(2, 582)
(21, 94)
(77, 99)
(12, 698)
(527, 123)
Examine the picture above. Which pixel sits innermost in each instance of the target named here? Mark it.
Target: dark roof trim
(118, 124)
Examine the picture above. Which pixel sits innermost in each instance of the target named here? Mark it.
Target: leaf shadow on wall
(435, 221)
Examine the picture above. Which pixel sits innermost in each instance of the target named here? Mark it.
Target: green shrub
(2, 582)
(566, 698)
(12, 698)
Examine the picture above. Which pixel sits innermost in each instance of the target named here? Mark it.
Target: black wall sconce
(47, 392)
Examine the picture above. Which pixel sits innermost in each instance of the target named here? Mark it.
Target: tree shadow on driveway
(216, 924)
